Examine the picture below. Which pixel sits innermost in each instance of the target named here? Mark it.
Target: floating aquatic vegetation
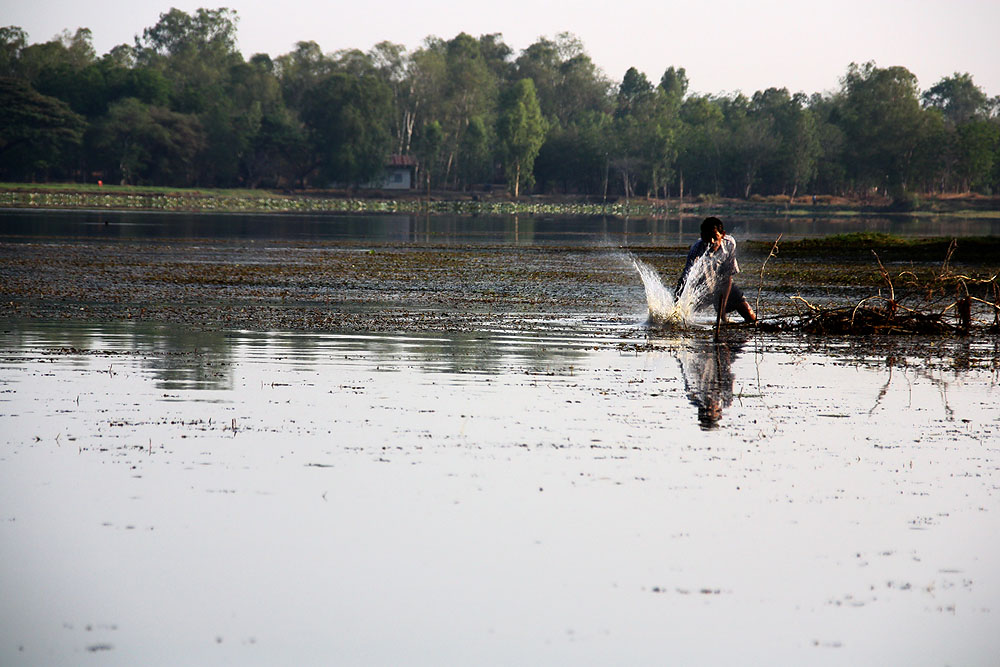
(266, 202)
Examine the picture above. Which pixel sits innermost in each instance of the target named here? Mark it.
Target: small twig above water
(885, 275)
(945, 271)
(806, 303)
(760, 285)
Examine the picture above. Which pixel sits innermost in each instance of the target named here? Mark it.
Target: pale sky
(724, 45)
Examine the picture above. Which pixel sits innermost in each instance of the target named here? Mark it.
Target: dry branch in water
(922, 312)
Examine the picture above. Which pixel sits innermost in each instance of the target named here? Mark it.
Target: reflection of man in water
(708, 379)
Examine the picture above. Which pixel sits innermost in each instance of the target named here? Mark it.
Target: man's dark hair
(708, 227)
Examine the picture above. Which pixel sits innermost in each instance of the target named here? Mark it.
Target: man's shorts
(735, 298)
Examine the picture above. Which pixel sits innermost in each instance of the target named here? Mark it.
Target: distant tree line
(182, 107)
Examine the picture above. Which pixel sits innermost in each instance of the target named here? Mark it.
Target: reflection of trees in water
(183, 358)
(176, 357)
(940, 361)
(706, 368)
(53, 336)
(477, 352)
(957, 353)
(458, 352)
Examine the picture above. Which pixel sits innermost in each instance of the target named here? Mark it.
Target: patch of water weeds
(315, 285)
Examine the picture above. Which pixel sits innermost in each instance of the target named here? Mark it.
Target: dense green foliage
(520, 133)
(182, 107)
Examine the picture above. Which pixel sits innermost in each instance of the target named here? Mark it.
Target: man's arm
(731, 267)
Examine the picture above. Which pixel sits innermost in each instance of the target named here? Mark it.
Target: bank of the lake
(64, 196)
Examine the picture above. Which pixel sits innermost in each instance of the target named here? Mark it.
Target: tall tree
(958, 98)
(428, 149)
(13, 39)
(575, 158)
(520, 133)
(635, 88)
(831, 171)
(233, 124)
(700, 144)
(882, 121)
(348, 119)
(69, 51)
(474, 157)
(470, 91)
(390, 61)
(540, 62)
(197, 53)
(979, 145)
(194, 52)
(496, 54)
(36, 131)
(792, 162)
(628, 155)
(674, 82)
(751, 143)
(638, 151)
(142, 144)
(66, 68)
(300, 71)
(582, 89)
(423, 96)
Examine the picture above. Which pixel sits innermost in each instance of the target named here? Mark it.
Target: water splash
(665, 308)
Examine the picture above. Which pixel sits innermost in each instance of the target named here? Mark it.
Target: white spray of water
(665, 309)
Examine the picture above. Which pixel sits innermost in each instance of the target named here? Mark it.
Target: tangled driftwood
(940, 305)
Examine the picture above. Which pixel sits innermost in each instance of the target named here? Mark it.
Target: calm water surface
(460, 229)
(575, 494)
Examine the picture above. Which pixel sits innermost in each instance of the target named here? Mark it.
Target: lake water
(578, 494)
(566, 487)
(520, 230)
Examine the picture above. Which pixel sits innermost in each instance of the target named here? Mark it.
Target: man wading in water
(719, 251)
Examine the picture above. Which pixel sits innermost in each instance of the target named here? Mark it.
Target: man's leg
(739, 303)
(746, 311)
